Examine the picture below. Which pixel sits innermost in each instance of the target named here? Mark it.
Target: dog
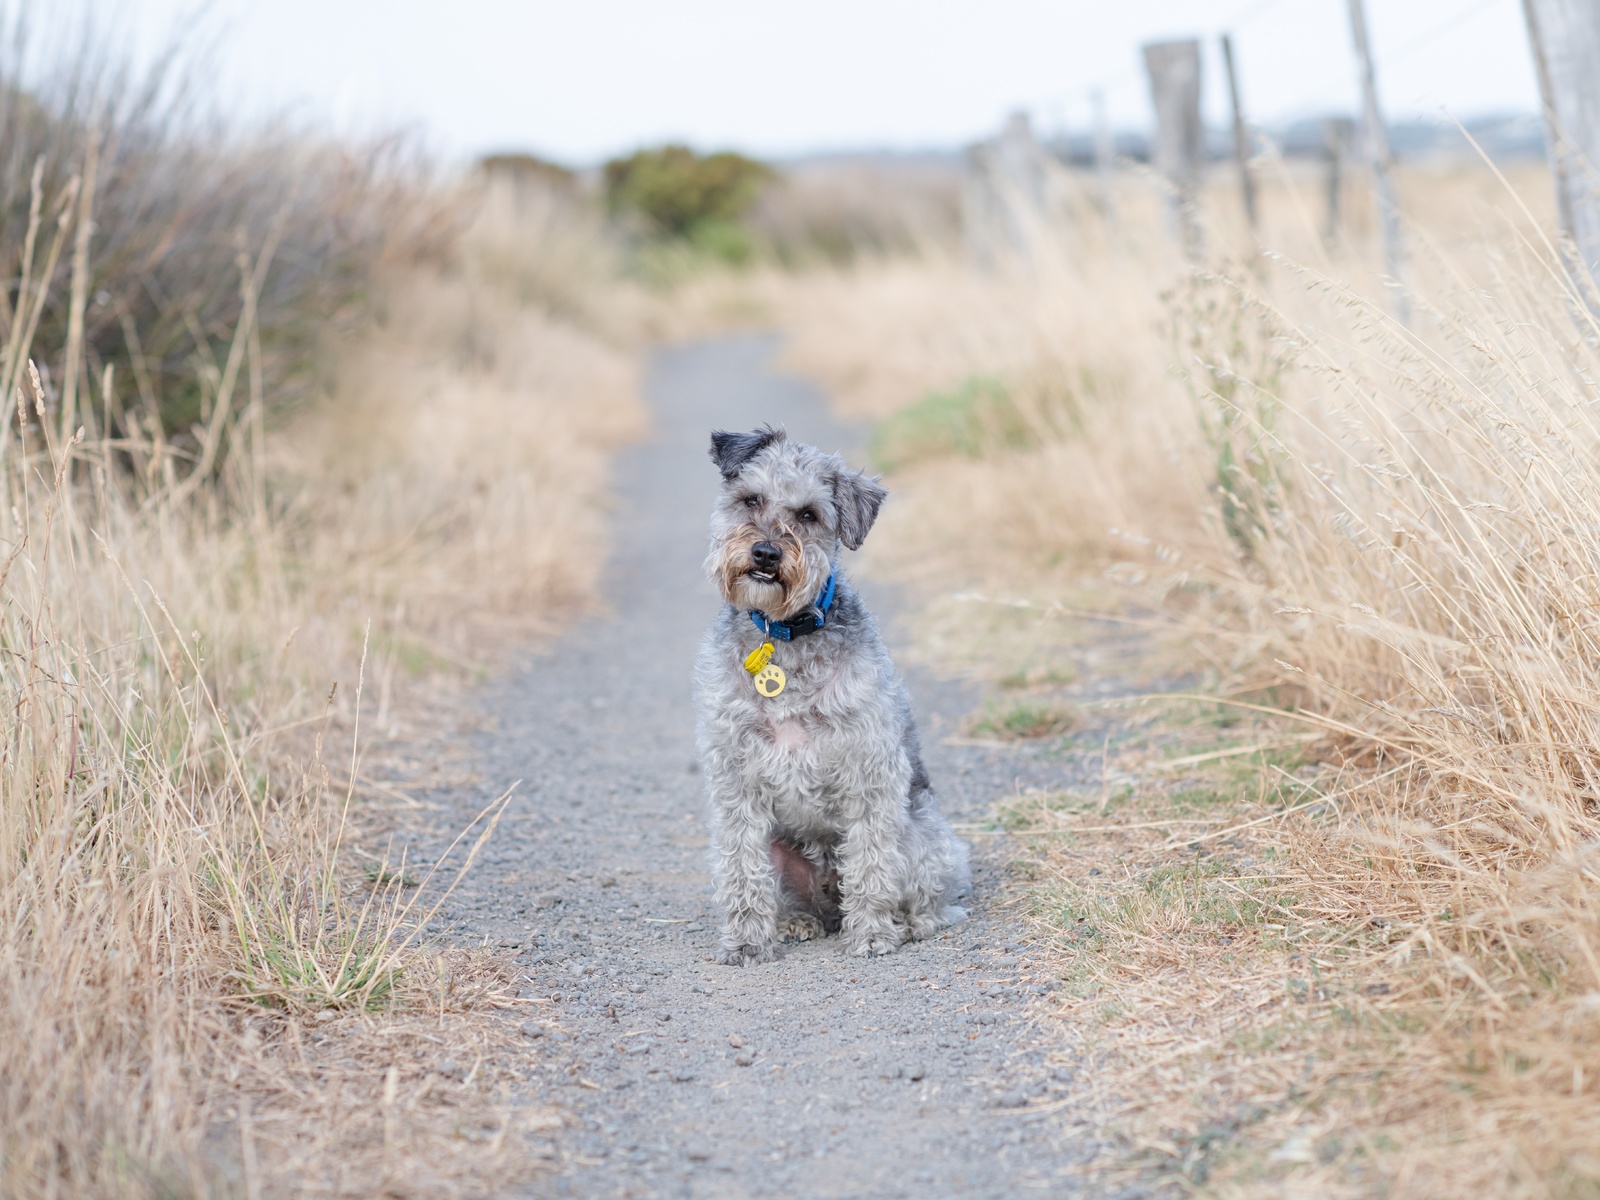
(822, 816)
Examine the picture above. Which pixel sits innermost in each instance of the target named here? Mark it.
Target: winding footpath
(915, 1074)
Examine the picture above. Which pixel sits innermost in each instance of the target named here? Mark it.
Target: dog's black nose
(764, 556)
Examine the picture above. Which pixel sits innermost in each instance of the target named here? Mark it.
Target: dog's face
(783, 511)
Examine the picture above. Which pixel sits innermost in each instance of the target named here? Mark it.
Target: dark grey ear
(857, 497)
(730, 451)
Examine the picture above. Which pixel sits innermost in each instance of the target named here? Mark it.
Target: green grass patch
(977, 415)
(1039, 676)
(1024, 718)
(382, 874)
(349, 970)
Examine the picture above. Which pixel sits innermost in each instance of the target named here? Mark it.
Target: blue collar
(786, 631)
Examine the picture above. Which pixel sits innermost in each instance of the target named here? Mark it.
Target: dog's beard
(801, 575)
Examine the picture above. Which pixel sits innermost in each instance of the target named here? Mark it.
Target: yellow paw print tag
(770, 680)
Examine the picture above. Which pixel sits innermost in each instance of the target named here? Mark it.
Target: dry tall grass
(1382, 537)
(838, 211)
(457, 471)
(178, 199)
(201, 989)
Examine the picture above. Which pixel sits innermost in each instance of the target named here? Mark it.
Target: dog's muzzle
(765, 559)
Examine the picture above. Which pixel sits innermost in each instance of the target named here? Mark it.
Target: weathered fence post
(1005, 198)
(1022, 164)
(979, 203)
(1174, 69)
(1565, 36)
(1337, 134)
(1241, 136)
(1375, 137)
(1104, 154)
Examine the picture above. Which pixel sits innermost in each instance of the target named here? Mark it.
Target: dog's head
(784, 509)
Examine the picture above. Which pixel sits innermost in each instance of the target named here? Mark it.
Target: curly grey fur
(829, 772)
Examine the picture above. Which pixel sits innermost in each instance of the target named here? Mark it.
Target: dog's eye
(752, 501)
(808, 515)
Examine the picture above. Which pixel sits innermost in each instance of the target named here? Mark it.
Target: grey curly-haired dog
(822, 815)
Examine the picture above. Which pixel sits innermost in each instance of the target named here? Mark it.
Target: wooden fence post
(1104, 154)
(1005, 198)
(1375, 136)
(1174, 70)
(979, 206)
(1337, 134)
(1241, 136)
(1565, 36)
(1022, 163)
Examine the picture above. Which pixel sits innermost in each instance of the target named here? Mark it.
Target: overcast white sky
(580, 80)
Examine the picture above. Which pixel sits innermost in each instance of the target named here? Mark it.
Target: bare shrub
(183, 206)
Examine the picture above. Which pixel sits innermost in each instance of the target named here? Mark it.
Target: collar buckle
(786, 631)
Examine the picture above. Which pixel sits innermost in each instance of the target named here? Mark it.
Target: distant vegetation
(674, 212)
(183, 219)
(680, 195)
(528, 168)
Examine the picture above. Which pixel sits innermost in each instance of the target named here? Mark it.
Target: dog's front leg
(747, 891)
(870, 869)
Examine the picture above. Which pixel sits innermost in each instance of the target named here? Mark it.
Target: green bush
(680, 194)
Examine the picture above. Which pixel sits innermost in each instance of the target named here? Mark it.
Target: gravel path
(820, 1075)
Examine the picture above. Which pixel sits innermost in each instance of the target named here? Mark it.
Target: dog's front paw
(865, 945)
(746, 954)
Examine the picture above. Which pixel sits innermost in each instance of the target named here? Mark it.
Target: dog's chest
(803, 746)
(789, 734)
(816, 701)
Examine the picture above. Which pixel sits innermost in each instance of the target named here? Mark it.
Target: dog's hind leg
(808, 892)
(936, 872)
(797, 892)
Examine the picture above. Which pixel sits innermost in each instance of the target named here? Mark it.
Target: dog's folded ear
(730, 451)
(857, 497)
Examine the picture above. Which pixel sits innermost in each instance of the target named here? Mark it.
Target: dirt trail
(819, 1075)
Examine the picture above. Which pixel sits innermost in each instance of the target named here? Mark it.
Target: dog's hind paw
(746, 955)
(926, 925)
(801, 927)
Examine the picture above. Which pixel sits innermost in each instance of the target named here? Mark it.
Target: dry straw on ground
(1324, 964)
(202, 991)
